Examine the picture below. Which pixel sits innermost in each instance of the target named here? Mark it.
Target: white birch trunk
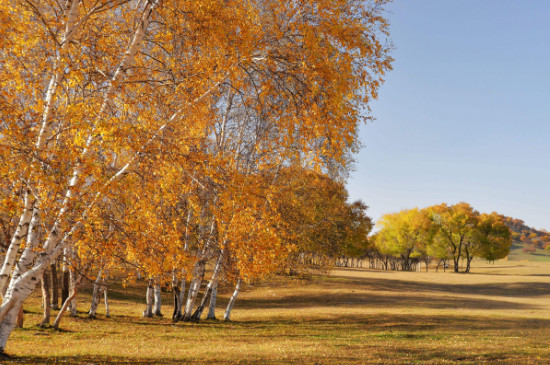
(95, 296)
(158, 300)
(15, 244)
(46, 300)
(106, 299)
(72, 287)
(227, 314)
(179, 298)
(64, 307)
(212, 305)
(8, 323)
(194, 289)
(148, 312)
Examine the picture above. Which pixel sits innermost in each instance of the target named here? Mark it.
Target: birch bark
(232, 300)
(106, 300)
(46, 300)
(148, 312)
(194, 287)
(158, 300)
(212, 305)
(95, 295)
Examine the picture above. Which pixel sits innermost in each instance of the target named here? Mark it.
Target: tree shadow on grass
(504, 289)
(372, 300)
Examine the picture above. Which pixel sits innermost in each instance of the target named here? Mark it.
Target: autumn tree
(490, 239)
(405, 234)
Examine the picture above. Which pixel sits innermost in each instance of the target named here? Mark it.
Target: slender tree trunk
(64, 308)
(181, 297)
(227, 314)
(106, 300)
(456, 259)
(158, 300)
(55, 286)
(176, 314)
(46, 300)
(177, 303)
(16, 240)
(95, 296)
(194, 289)
(212, 305)
(148, 312)
(468, 262)
(72, 285)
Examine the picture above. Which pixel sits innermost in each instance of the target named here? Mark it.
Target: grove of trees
(183, 142)
(445, 233)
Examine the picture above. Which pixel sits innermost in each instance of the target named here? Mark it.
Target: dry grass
(499, 313)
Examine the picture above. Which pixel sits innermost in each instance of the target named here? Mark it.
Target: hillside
(529, 243)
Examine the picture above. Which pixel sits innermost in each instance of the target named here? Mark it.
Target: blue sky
(465, 114)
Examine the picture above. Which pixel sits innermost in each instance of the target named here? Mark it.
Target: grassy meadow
(498, 313)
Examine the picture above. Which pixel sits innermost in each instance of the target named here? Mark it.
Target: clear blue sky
(465, 114)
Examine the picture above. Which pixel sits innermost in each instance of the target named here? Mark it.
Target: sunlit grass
(499, 313)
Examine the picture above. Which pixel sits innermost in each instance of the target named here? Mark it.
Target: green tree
(404, 235)
(453, 224)
(490, 239)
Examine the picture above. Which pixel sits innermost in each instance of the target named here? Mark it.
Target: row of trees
(175, 136)
(444, 232)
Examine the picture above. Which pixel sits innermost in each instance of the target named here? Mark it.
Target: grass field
(499, 313)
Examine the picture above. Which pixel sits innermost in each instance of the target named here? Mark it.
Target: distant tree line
(447, 233)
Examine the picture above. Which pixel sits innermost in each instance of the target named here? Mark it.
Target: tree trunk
(468, 262)
(212, 305)
(148, 312)
(181, 297)
(95, 296)
(106, 299)
(178, 296)
(177, 303)
(158, 300)
(72, 285)
(46, 300)
(55, 286)
(227, 314)
(15, 244)
(64, 308)
(194, 289)
(456, 259)
(8, 323)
